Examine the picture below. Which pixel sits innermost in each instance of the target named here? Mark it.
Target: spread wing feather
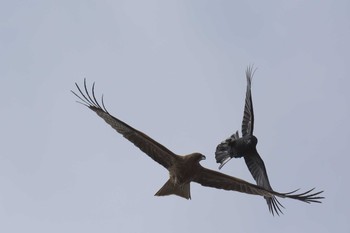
(248, 116)
(155, 150)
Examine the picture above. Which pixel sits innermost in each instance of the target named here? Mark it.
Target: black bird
(182, 169)
(245, 146)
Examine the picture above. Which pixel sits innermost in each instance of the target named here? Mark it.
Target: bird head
(252, 140)
(198, 157)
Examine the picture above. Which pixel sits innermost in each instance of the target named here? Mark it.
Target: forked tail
(170, 188)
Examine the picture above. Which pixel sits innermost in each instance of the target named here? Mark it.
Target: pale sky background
(174, 70)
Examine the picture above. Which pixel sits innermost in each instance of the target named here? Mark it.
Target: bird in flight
(182, 169)
(245, 146)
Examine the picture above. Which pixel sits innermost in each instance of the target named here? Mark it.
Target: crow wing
(248, 115)
(155, 150)
(254, 162)
(257, 168)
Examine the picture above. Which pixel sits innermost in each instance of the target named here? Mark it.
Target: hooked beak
(203, 157)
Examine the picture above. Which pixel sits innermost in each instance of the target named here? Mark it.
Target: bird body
(245, 146)
(236, 147)
(181, 174)
(182, 169)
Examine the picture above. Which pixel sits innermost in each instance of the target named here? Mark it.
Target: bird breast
(181, 173)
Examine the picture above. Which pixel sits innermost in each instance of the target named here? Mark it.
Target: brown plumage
(182, 169)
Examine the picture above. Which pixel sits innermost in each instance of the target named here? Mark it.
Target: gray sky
(174, 70)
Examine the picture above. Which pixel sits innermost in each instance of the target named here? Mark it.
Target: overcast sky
(174, 70)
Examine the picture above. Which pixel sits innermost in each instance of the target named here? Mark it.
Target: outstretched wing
(214, 179)
(257, 168)
(248, 116)
(254, 162)
(155, 150)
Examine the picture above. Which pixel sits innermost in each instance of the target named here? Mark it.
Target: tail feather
(224, 151)
(170, 188)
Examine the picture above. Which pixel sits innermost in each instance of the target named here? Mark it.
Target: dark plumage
(245, 146)
(182, 169)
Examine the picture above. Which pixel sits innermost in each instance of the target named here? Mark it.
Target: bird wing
(155, 150)
(214, 179)
(257, 168)
(248, 116)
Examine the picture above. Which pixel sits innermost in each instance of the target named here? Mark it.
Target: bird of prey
(245, 146)
(182, 169)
